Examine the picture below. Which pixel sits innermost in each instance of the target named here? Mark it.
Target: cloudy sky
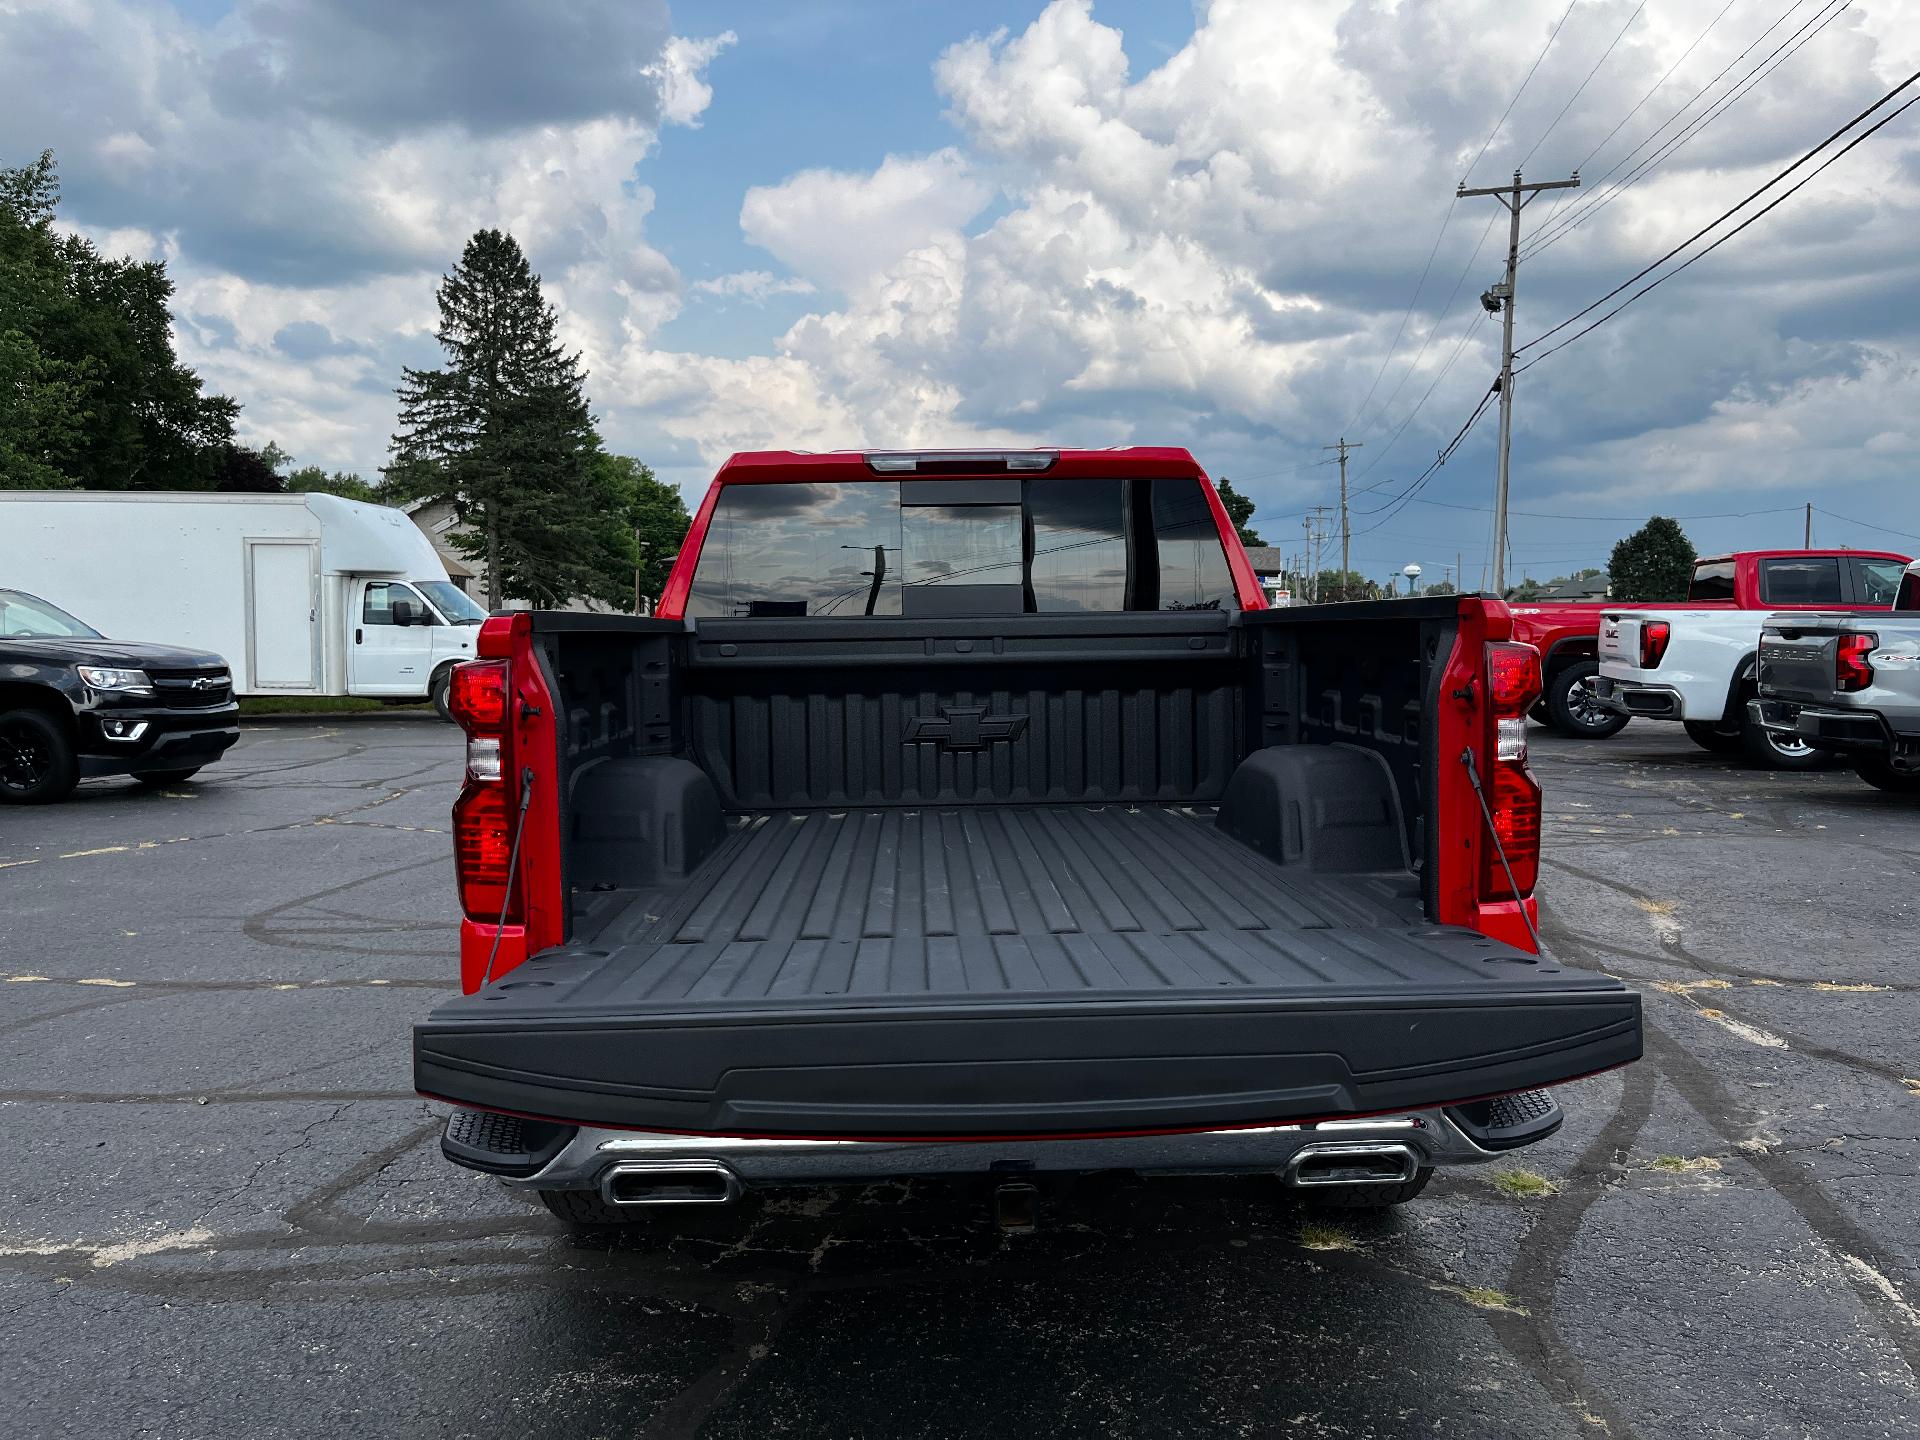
(1094, 222)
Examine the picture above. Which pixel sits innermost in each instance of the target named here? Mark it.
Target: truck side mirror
(402, 612)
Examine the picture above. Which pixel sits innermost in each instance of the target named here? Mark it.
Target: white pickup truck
(1696, 663)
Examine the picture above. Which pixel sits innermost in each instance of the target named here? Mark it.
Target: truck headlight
(126, 682)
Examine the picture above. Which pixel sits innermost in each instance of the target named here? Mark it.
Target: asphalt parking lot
(225, 1212)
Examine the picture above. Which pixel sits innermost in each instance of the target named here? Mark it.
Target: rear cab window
(925, 547)
(1875, 581)
(1712, 580)
(1801, 580)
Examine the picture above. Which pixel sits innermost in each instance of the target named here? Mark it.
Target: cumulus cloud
(1216, 247)
(309, 169)
(840, 229)
(753, 285)
(1220, 251)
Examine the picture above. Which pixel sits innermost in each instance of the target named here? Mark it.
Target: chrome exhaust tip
(1353, 1162)
(670, 1182)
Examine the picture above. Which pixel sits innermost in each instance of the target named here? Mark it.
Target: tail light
(1654, 635)
(1513, 796)
(483, 819)
(483, 851)
(1850, 668)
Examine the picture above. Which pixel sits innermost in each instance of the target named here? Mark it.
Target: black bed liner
(1012, 970)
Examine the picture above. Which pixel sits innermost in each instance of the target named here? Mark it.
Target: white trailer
(303, 594)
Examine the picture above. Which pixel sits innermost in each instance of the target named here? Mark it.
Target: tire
(1767, 750)
(1875, 770)
(1571, 708)
(1712, 737)
(585, 1210)
(37, 763)
(154, 779)
(1364, 1197)
(437, 692)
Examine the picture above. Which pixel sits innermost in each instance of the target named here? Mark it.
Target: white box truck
(303, 594)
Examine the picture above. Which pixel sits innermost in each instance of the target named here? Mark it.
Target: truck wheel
(154, 779)
(585, 1210)
(1777, 752)
(1572, 708)
(1365, 1197)
(1878, 773)
(437, 692)
(1712, 737)
(37, 764)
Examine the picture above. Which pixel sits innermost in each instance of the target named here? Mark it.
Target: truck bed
(1009, 969)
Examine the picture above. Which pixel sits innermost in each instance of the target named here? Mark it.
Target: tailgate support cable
(513, 868)
(1473, 774)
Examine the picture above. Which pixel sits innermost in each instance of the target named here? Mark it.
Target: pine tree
(503, 433)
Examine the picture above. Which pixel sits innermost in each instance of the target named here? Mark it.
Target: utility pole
(1316, 532)
(1345, 563)
(1806, 541)
(1499, 299)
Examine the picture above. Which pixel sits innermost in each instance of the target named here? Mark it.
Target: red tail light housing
(479, 697)
(482, 852)
(1851, 670)
(1654, 635)
(1513, 679)
(1513, 795)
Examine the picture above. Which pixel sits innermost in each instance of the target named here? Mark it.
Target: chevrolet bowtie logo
(965, 727)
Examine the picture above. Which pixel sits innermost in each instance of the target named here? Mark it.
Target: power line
(1525, 81)
(1732, 209)
(1399, 502)
(1639, 105)
(1419, 285)
(1580, 89)
(1866, 524)
(1605, 139)
(1447, 309)
(1580, 214)
(1751, 219)
(1623, 519)
(1604, 194)
(1479, 319)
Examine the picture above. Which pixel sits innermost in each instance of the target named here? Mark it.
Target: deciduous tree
(91, 393)
(1239, 510)
(1653, 563)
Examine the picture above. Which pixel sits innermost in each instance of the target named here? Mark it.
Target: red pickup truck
(969, 813)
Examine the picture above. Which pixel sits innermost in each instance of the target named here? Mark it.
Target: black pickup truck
(970, 813)
(75, 705)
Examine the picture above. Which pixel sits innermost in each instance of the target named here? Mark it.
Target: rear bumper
(1849, 730)
(1646, 702)
(604, 1159)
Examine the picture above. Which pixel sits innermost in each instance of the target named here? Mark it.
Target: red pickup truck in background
(1567, 632)
(971, 813)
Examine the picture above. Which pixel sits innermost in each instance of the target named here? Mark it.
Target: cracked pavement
(225, 1211)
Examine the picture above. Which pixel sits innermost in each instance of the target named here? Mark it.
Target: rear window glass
(1875, 582)
(866, 547)
(1808, 580)
(1712, 581)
